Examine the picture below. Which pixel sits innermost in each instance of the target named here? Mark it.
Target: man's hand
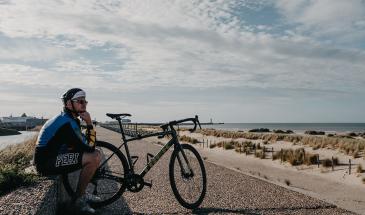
(86, 117)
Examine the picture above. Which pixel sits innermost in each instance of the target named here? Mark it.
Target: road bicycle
(116, 172)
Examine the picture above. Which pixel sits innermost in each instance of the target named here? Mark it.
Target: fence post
(272, 153)
(318, 160)
(332, 164)
(281, 155)
(349, 166)
(263, 150)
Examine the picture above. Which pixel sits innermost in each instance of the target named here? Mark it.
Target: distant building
(21, 123)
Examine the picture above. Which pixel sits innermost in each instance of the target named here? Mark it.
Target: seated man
(63, 148)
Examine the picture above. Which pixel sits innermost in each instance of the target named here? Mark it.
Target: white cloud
(335, 20)
(162, 43)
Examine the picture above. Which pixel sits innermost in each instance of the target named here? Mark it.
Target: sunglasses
(82, 102)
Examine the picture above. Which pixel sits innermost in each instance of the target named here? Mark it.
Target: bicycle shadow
(255, 211)
(225, 210)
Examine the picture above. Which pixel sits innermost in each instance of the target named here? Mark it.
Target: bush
(310, 159)
(326, 162)
(260, 130)
(189, 139)
(260, 154)
(11, 177)
(359, 169)
(13, 161)
(229, 146)
(287, 182)
(315, 132)
(212, 145)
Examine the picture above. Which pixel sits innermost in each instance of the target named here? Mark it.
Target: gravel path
(228, 191)
(37, 199)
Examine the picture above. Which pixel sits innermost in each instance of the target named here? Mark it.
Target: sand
(338, 187)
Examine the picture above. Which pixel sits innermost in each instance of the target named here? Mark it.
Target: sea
(16, 139)
(295, 127)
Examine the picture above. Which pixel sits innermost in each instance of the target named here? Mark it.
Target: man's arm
(72, 136)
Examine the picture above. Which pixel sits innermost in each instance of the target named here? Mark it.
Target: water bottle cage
(149, 156)
(134, 159)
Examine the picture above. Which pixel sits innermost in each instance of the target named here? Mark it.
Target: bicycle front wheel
(108, 181)
(187, 176)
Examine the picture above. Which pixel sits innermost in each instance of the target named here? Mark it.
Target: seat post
(125, 145)
(121, 128)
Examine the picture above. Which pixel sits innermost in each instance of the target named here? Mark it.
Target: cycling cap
(72, 94)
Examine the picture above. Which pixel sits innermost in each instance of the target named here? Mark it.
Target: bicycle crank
(135, 183)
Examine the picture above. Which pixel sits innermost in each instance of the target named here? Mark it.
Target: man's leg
(90, 162)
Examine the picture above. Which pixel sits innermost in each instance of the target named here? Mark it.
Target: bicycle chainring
(134, 183)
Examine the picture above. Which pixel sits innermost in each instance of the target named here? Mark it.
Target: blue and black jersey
(61, 142)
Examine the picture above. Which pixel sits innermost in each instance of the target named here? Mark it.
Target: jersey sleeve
(85, 142)
(89, 136)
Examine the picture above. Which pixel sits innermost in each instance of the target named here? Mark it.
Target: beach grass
(13, 161)
(295, 157)
(349, 146)
(359, 169)
(188, 139)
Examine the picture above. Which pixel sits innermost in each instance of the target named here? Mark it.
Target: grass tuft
(13, 160)
(188, 139)
(359, 169)
(287, 182)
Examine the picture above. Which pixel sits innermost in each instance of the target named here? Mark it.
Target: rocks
(6, 131)
(283, 132)
(315, 132)
(260, 130)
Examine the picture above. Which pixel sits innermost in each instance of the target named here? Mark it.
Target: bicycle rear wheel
(108, 181)
(188, 186)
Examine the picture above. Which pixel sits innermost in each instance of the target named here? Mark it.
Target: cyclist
(63, 148)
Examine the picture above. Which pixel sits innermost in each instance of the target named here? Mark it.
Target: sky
(161, 60)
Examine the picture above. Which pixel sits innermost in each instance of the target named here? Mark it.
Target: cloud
(339, 22)
(136, 46)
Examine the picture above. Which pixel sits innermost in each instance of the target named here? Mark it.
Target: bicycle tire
(190, 152)
(103, 147)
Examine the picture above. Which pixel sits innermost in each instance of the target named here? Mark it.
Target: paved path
(228, 191)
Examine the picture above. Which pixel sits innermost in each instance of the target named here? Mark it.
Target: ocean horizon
(296, 127)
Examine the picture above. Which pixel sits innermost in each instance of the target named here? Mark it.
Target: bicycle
(116, 172)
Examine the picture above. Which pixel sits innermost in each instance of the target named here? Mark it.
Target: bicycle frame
(174, 141)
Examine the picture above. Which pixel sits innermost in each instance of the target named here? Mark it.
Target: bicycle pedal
(148, 184)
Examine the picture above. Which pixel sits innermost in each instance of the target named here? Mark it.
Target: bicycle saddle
(117, 115)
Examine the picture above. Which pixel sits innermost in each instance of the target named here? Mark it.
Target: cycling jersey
(61, 144)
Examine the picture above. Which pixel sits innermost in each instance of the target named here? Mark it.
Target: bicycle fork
(182, 157)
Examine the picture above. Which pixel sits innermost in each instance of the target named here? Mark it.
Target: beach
(341, 186)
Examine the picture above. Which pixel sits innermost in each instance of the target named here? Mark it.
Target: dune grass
(296, 157)
(349, 146)
(188, 139)
(13, 161)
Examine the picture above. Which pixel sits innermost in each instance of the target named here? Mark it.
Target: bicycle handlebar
(195, 120)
